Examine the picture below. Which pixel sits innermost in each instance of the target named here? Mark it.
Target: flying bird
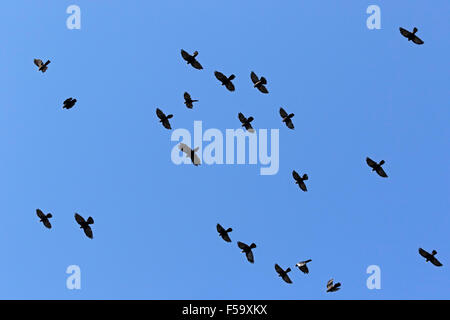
(247, 250)
(283, 274)
(430, 257)
(42, 66)
(190, 153)
(188, 101)
(246, 122)
(333, 287)
(191, 59)
(44, 218)
(69, 103)
(163, 118)
(377, 167)
(287, 118)
(259, 83)
(85, 225)
(300, 180)
(226, 81)
(411, 36)
(303, 267)
(224, 233)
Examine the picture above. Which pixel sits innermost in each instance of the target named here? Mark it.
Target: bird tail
(49, 215)
(229, 229)
(195, 54)
(381, 162)
(305, 177)
(434, 252)
(196, 149)
(90, 220)
(232, 77)
(415, 30)
(253, 246)
(169, 116)
(288, 270)
(263, 80)
(309, 260)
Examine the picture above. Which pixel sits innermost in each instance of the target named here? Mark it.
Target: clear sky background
(355, 92)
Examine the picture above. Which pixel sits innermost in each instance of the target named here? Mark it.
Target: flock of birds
(260, 84)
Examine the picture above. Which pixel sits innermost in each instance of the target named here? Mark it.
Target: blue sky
(355, 92)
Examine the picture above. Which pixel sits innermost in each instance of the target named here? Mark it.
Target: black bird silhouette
(411, 36)
(430, 257)
(84, 224)
(188, 101)
(247, 250)
(287, 118)
(191, 59)
(224, 233)
(190, 153)
(303, 267)
(163, 118)
(226, 81)
(69, 103)
(300, 180)
(333, 287)
(377, 167)
(283, 274)
(246, 122)
(44, 218)
(259, 83)
(42, 66)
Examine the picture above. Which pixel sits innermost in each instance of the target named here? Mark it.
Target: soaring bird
(224, 233)
(287, 118)
(163, 118)
(42, 66)
(247, 250)
(303, 267)
(259, 83)
(377, 167)
(283, 274)
(190, 153)
(246, 122)
(188, 101)
(191, 59)
(69, 103)
(430, 257)
(300, 180)
(411, 36)
(226, 81)
(84, 224)
(333, 287)
(44, 218)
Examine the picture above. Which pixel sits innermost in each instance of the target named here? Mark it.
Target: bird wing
(38, 62)
(225, 237)
(283, 113)
(47, 223)
(417, 40)
(304, 268)
(278, 269)
(166, 124)
(196, 161)
(404, 32)
(196, 64)
(88, 232)
(40, 214)
(242, 118)
(242, 245)
(186, 56)
(287, 279)
(220, 76)
(219, 228)
(250, 256)
(79, 219)
(302, 185)
(160, 114)
(381, 172)
(436, 262)
(254, 77)
(187, 96)
(230, 86)
(330, 283)
(263, 89)
(289, 124)
(424, 253)
(370, 162)
(183, 147)
(296, 175)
